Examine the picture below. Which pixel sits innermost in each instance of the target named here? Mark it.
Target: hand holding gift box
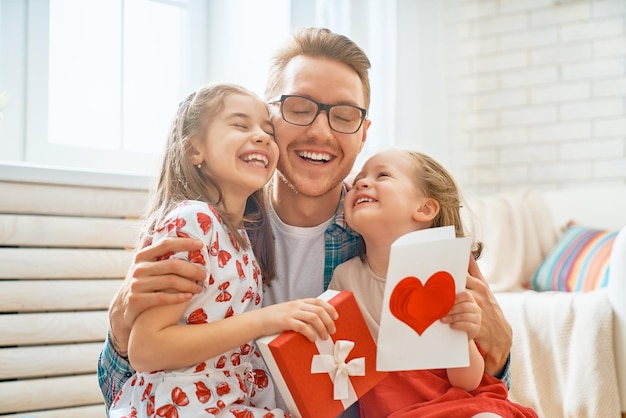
(322, 379)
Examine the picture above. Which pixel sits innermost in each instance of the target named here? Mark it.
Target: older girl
(199, 358)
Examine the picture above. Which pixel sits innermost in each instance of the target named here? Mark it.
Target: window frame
(23, 130)
(37, 148)
(368, 23)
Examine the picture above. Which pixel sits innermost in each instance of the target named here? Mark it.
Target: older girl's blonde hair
(180, 180)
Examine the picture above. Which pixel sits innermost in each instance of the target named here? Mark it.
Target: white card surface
(422, 266)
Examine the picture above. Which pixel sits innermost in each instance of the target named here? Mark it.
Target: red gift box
(321, 379)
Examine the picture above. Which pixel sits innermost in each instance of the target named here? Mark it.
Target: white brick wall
(536, 92)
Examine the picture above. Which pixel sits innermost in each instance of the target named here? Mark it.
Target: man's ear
(366, 125)
(426, 211)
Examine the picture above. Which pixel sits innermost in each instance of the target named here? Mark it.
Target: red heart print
(419, 306)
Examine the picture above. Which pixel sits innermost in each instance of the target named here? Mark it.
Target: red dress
(428, 394)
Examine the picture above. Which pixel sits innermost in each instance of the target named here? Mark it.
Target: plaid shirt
(341, 244)
(113, 371)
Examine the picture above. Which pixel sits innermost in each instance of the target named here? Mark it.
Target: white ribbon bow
(333, 362)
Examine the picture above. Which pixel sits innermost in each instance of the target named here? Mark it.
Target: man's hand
(151, 282)
(495, 336)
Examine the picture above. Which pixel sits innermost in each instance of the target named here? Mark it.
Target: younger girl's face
(384, 197)
(238, 149)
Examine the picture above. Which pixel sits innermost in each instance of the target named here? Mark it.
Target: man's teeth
(316, 156)
(256, 159)
(363, 200)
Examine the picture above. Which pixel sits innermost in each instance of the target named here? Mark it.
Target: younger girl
(199, 358)
(395, 193)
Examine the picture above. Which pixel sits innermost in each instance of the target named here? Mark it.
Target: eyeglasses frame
(320, 107)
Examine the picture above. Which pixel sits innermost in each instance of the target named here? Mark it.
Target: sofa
(565, 301)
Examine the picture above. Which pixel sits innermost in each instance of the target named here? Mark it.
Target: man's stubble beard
(287, 182)
(293, 188)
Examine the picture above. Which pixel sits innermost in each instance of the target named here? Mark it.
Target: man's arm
(113, 371)
(150, 282)
(495, 337)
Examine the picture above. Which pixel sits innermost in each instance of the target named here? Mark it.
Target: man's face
(315, 159)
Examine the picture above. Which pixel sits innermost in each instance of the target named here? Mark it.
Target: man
(318, 92)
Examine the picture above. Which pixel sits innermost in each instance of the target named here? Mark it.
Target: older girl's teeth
(256, 159)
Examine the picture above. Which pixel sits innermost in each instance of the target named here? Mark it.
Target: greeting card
(427, 268)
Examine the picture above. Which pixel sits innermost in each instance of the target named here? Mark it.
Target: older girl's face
(238, 149)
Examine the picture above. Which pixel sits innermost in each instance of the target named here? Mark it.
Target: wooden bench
(64, 250)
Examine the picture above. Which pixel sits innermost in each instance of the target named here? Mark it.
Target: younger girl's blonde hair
(437, 183)
(180, 180)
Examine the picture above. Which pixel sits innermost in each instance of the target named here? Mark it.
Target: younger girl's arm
(469, 377)
(157, 342)
(465, 316)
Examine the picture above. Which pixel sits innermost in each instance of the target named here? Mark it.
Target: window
(103, 79)
(94, 85)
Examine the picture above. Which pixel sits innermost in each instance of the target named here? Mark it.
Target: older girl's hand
(312, 317)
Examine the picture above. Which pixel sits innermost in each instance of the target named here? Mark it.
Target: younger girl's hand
(465, 315)
(311, 317)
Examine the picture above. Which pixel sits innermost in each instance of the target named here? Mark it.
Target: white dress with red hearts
(234, 384)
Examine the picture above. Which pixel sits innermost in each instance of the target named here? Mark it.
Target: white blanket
(517, 232)
(562, 359)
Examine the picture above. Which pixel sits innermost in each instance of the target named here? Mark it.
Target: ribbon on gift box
(332, 360)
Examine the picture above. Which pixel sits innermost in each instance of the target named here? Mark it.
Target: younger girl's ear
(426, 211)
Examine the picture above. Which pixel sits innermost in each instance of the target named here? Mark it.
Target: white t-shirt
(299, 261)
(299, 265)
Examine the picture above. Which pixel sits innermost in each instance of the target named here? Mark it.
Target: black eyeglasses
(302, 111)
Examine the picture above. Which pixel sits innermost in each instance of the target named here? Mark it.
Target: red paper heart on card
(418, 305)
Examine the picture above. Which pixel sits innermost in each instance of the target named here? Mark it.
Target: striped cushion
(578, 262)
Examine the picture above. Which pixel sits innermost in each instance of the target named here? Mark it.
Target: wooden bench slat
(33, 263)
(53, 328)
(49, 393)
(56, 295)
(92, 411)
(49, 360)
(64, 250)
(51, 199)
(65, 231)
